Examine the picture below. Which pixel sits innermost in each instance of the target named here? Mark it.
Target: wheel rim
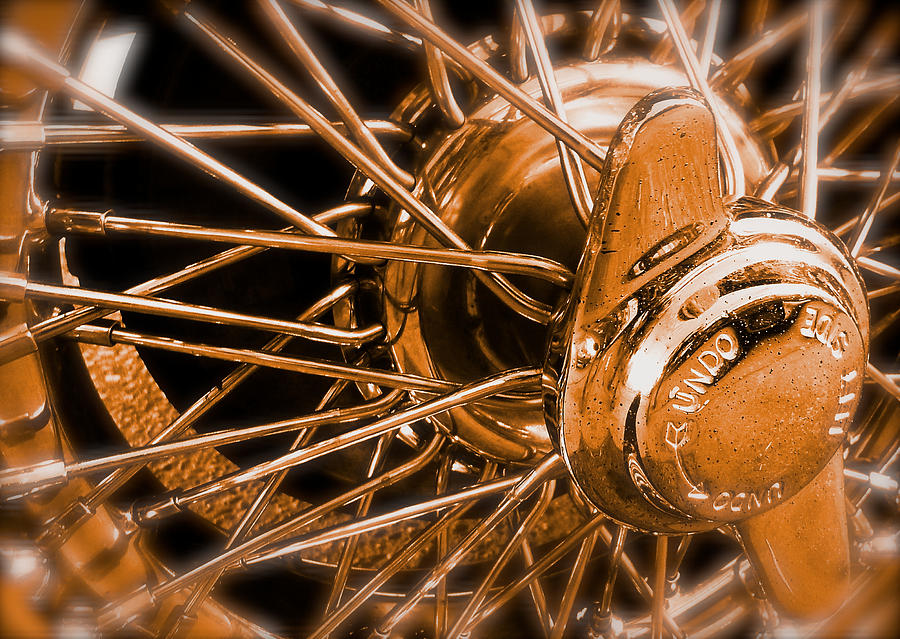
(703, 608)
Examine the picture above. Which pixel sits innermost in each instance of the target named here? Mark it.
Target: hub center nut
(716, 373)
(750, 407)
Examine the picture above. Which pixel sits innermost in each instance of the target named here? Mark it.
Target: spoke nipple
(19, 482)
(605, 625)
(13, 287)
(118, 614)
(378, 633)
(153, 513)
(672, 585)
(880, 549)
(60, 528)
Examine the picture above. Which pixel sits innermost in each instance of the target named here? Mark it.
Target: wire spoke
(863, 125)
(107, 336)
(659, 588)
(118, 613)
(688, 18)
(780, 117)
(728, 76)
(538, 597)
(756, 16)
(732, 166)
(642, 587)
(437, 75)
(441, 548)
(809, 136)
(537, 568)
(544, 471)
(878, 267)
(575, 578)
(508, 293)
(65, 221)
(397, 562)
(876, 329)
(602, 620)
(358, 23)
(515, 541)
(603, 30)
(60, 324)
(673, 575)
(572, 168)
(171, 308)
(25, 477)
(784, 169)
(252, 515)
(883, 380)
(850, 224)
(468, 394)
(307, 57)
(579, 143)
(520, 498)
(23, 54)
(371, 523)
(883, 291)
(851, 78)
(518, 50)
(30, 136)
(864, 225)
(348, 548)
(839, 174)
(709, 36)
(175, 622)
(59, 529)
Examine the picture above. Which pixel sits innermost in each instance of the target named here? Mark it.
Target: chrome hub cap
(545, 330)
(704, 369)
(496, 182)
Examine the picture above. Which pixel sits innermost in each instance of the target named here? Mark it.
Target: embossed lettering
(775, 492)
(711, 365)
(696, 383)
(691, 403)
(725, 349)
(747, 502)
(839, 345)
(727, 346)
(676, 434)
(823, 328)
(806, 329)
(754, 502)
(722, 500)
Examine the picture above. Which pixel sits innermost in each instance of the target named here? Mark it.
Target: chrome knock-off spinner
(496, 182)
(711, 354)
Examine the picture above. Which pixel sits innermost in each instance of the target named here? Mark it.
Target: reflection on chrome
(586, 327)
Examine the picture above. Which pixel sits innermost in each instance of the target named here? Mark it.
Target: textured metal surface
(141, 410)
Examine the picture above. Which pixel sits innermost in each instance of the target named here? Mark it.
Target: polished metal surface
(478, 189)
(567, 378)
(706, 371)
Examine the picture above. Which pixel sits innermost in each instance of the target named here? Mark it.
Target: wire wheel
(223, 414)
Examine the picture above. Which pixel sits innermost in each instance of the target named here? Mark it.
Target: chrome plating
(711, 375)
(496, 182)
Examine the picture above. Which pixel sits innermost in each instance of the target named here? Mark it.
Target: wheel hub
(496, 182)
(706, 370)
